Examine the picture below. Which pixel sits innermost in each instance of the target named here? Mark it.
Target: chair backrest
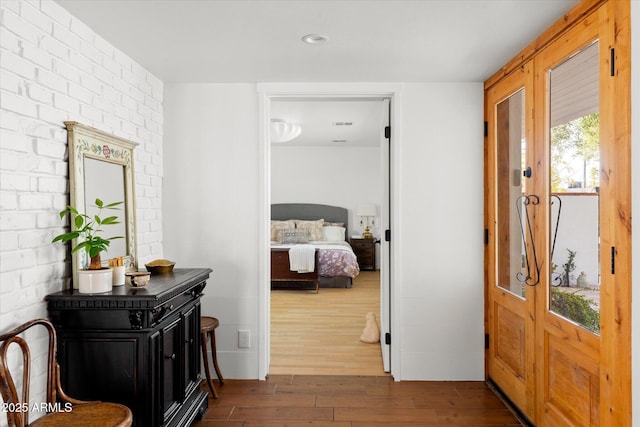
(17, 404)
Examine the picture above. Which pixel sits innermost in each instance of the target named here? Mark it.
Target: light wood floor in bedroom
(319, 334)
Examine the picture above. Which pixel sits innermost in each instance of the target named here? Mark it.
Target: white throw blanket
(302, 258)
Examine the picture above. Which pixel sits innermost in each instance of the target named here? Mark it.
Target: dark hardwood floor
(354, 401)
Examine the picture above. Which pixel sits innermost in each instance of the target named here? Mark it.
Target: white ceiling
(369, 40)
(250, 41)
(334, 122)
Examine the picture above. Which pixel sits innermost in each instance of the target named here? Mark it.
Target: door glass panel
(511, 152)
(575, 183)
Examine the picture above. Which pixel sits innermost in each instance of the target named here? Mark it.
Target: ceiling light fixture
(283, 131)
(315, 39)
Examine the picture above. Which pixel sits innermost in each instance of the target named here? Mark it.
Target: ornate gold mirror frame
(101, 166)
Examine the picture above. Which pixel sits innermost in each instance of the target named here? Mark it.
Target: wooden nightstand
(365, 250)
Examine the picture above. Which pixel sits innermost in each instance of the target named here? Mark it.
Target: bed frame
(281, 276)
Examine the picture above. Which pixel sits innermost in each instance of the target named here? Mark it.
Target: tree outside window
(575, 155)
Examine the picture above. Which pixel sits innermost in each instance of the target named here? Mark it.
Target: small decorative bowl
(160, 266)
(137, 279)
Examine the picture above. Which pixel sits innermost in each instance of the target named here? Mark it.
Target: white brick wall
(55, 68)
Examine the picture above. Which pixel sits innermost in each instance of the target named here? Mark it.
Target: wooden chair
(61, 410)
(208, 325)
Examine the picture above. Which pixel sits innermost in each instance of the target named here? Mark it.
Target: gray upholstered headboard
(310, 211)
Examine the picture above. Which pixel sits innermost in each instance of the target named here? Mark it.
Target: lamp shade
(366, 209)
(283, 131)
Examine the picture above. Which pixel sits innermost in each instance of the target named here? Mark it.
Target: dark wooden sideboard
(135, 346)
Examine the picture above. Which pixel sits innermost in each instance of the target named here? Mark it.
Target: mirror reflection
(105, 181)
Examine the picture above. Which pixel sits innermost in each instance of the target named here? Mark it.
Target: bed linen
(335, 259)
(337, 268)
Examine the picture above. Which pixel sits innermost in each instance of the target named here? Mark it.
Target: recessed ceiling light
(315, 39)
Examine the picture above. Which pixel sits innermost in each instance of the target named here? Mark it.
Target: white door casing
(266, 93)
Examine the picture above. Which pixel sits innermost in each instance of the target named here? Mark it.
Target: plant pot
(95, 281)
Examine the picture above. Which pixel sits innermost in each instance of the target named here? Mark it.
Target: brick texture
(55, 68)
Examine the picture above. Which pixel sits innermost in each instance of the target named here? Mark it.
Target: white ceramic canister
(118, 275)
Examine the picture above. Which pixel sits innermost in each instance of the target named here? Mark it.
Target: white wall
(54, 68)
(337, 176)
(441, 261)
(579, 232)
(211, 206)
(211, 219)
(635, 202)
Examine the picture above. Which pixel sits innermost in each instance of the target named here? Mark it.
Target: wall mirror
(101, 166)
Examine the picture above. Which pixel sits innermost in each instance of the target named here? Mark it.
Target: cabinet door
(172, 390)
(191, 355)
(118, 358)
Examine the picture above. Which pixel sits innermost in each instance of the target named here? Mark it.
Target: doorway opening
(274, 176)
(337, 159)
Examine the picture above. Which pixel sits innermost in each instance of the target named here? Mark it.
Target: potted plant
(85, 231)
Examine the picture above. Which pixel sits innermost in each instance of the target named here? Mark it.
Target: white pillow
(333, 233)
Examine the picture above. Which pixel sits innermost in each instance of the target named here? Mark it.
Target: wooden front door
(510, 201)
(567, 179)
(558, 215)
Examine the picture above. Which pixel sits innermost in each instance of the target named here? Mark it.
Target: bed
(335, 262)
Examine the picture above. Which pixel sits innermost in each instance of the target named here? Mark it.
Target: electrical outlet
(244, 338)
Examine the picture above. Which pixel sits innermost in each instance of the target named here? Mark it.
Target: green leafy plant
(87, 229)
(568, 267)
(575, 307)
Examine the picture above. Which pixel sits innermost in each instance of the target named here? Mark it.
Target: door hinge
(486, 129)
(486, 341)
(387, 235)
(486, 236)
(387, 132)
(613, 62)
(613, 260)
(387, 338)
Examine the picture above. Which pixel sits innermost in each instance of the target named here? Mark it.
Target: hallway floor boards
(322, 375)
(354, 401)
